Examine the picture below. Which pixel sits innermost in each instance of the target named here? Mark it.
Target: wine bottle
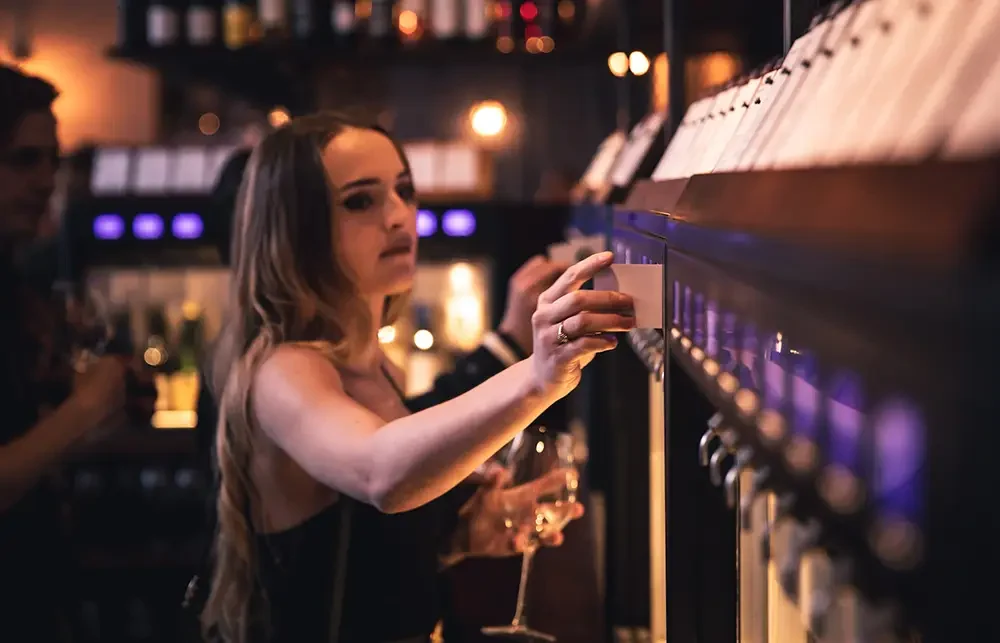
(203, 21)
(308, 19)
(477, 19)
(380, 23)
(343, 21)
(131, 24)
(237, 17)
(162, 24)
(444, 19)
(273, 18)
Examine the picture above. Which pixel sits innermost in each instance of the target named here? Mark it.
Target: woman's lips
(395, 252)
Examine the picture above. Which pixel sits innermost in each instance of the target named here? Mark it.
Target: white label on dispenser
(151, 171)
(631, 157)
(110, 175)
(161, 25)
(189, 170)
(200, 26)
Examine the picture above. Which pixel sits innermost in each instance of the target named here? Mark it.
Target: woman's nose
(397, 211)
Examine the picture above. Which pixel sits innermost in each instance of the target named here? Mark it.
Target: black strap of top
(344, 543)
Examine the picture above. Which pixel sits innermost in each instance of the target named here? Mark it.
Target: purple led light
(147, 226)
(187, 225)
(108, 227)
(458, 223)
(427, 223)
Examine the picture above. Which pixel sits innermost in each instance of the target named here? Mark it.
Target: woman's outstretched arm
(299, 401)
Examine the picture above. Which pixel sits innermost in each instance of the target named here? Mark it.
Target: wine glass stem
(522, 588)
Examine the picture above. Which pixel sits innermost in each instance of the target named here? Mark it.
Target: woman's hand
(571, 325)
(99, 393)
(523, 290)
(484, 528)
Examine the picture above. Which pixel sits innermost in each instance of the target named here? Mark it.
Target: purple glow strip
(427, 223)
(187, 225)
(147, 226)
(108, 227)
(458, 223)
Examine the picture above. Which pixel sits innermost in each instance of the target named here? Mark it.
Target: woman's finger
(585, 346)
(577, 275)
(578, 301)
(583, 324)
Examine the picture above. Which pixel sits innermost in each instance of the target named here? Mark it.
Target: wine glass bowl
(540, 502)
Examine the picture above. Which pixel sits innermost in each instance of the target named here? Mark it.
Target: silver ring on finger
(561, 336)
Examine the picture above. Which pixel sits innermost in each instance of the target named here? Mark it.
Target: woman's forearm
(420, 457)
(24, 460)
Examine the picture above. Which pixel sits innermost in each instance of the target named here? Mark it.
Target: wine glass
(91, 327)
(548, 459)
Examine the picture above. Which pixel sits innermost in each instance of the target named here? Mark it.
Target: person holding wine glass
(326, 524)
(49, 410)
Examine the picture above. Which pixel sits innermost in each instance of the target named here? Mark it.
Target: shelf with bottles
(273, 40)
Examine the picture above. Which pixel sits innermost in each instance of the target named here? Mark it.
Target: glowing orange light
(533, 45)
(529, 11)
(547, 44)
(408, 22)
(505, 44)
(208, 124)
(502, 10)
(567, 10)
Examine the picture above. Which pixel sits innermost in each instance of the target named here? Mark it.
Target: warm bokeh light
(533, 45)
(488, 118)
(661, 83)
(423, 339)
(529, 11)
(208, 124)
(567, 10)
(638, 63)
(618, 63)
(363, 9)
(505, 44)
(718, 67)
(408, 22)
(547, 44)
(278, 117)
(386, 335)
(90, 106)
(461, 277)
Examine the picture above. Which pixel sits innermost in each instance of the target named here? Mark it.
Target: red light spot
(529, 11)
(532, 31)
(503, 10)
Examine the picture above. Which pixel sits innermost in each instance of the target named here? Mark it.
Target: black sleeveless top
(391, 586)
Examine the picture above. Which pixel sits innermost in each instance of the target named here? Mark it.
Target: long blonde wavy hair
(287, 286)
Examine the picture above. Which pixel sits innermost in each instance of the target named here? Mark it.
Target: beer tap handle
(784, 506)
(760, 478)
(728, 439)
(743, 458)
(802, 539)
(708, 437)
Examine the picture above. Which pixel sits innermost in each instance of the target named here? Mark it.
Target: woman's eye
(358, 202)
(406, 192)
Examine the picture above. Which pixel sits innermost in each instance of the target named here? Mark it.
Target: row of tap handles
(718, 445)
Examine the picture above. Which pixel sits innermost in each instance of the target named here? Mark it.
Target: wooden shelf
(283, 74)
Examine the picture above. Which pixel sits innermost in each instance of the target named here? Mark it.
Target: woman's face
(374, 211)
